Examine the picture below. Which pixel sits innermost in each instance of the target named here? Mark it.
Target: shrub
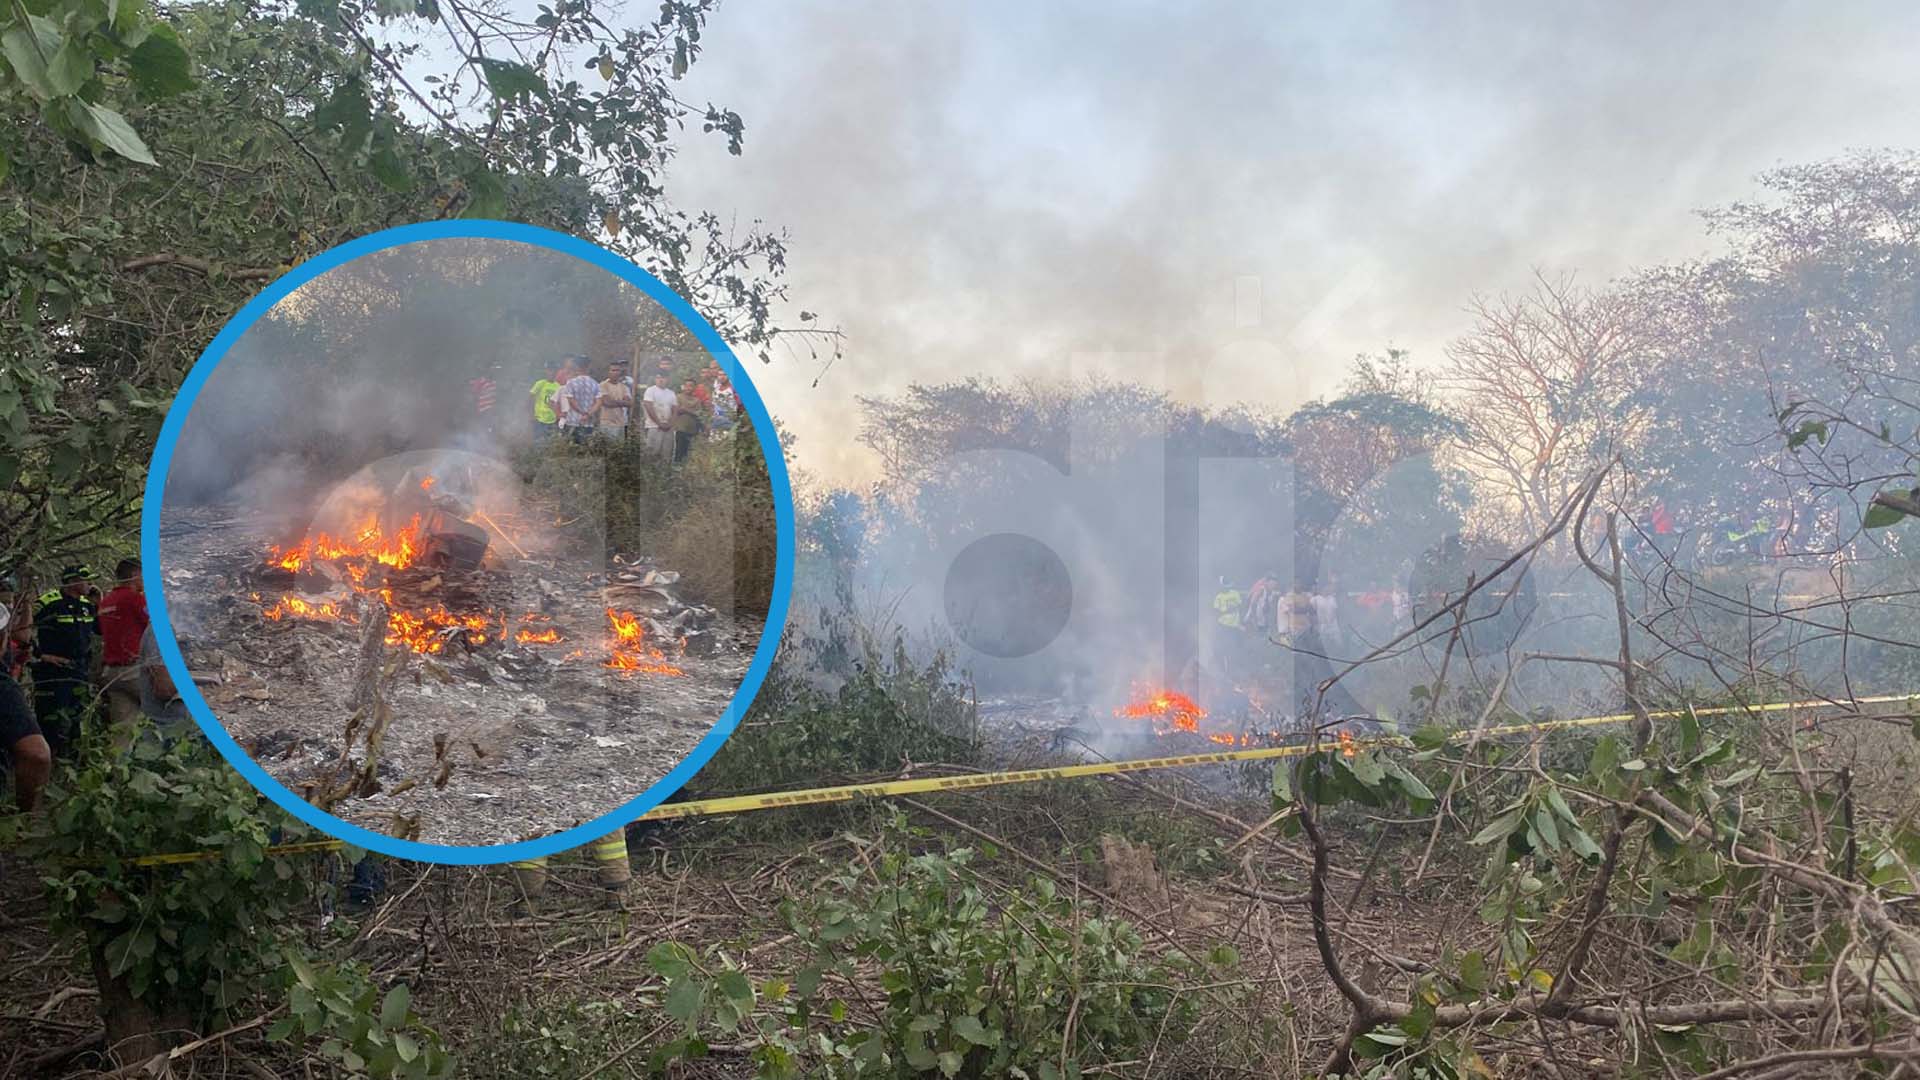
(175, 944)
(972, 988)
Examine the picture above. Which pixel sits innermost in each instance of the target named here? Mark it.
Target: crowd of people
(90, 658)
(86, 656)
(569, 402)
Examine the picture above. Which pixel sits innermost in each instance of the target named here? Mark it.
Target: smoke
(988, 189)
(375, 359)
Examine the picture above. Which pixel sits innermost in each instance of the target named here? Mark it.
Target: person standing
(482, 389)
(64, 629)
(657, 407)
(159, 698)
(579, 404)
(21, 742)
(545, 389)
(123, 619)
(616, 401)
(689, 416)
(724, 404)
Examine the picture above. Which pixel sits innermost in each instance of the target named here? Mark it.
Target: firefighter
(614, 872)
(63, 656)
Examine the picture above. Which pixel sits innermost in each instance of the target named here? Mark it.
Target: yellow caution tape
(740, 804)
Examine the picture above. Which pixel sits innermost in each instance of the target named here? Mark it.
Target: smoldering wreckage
(431, 659)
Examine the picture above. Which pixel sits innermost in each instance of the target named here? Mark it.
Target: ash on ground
(493, 736)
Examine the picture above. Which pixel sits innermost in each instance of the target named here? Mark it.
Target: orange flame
(1177, 711)
(426, 483)
(368, 543)
(631, 653)
(290, 605)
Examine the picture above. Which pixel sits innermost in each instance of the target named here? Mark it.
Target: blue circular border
(448, 853)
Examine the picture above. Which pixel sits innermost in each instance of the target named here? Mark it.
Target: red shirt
(123, 618)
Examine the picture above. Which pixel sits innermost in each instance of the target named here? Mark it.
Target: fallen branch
(201, 267)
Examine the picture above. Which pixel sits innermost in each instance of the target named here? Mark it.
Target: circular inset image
(467, 542)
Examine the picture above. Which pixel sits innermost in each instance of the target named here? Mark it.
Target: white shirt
(663, 400)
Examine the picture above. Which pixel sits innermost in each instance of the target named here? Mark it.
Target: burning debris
(1169, 709)
(528, 690)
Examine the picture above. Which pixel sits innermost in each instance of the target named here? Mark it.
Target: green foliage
(75, 59)
(196, 935)
(285, 131)
(369, 1033)
(1012, 985)
(891, 708)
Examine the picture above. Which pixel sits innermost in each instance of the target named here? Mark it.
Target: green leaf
(1499, 828)
(302, 970)
(386, 167)
(28, 49)
(1543, 824)
(971, 1029)
(280, 1029)
(1720, 751)
(737, 988)
(1431, 736)
(1689, 725)
(508, 79)
(1365, 767)
(949, 1063)
(1582, 844)
(1879, 516)
(669, 959)
(70, 68)
(109, 129)
(1409, 783)
(1283, 779)
(347, 111)
(1808, 429)
(393, 1010)
(6, 166)
(405, 1046)
(160, 65)
(489, 194)
(683, 999)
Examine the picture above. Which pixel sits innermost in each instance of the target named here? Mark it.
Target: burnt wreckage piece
(449, 540)
(452, 543)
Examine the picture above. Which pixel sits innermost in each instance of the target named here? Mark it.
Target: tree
(1542, 389)
(275, 131)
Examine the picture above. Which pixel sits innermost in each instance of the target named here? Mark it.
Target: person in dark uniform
(64, 631)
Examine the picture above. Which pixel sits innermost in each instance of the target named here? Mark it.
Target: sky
(1231, 201)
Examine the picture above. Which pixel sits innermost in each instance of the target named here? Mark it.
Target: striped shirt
(577, 399)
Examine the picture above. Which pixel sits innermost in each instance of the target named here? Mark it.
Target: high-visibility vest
(1227, 603)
